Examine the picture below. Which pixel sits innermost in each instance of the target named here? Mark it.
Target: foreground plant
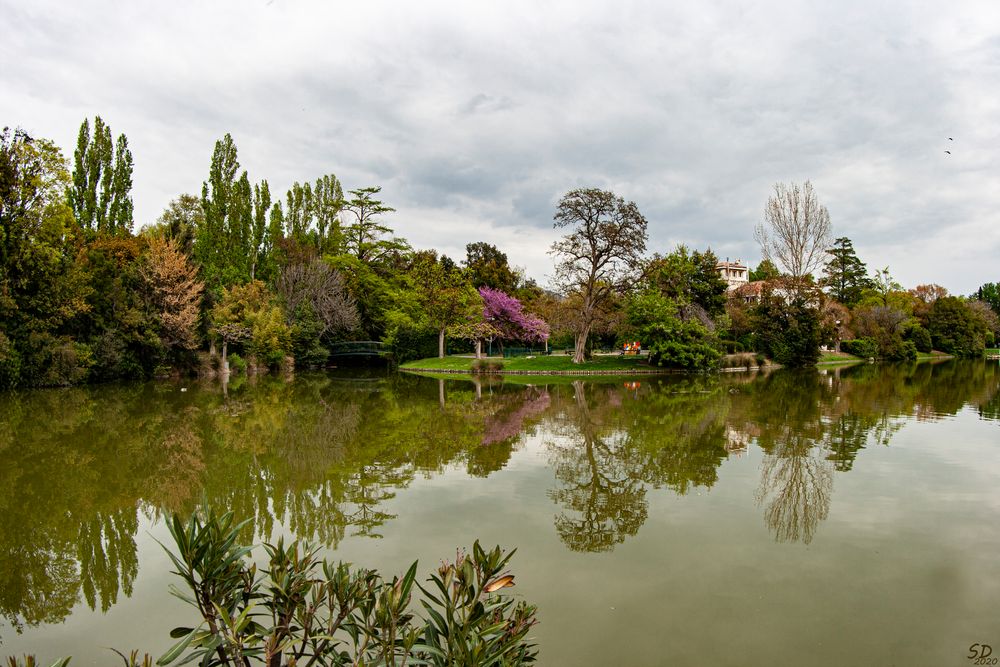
(304, 611)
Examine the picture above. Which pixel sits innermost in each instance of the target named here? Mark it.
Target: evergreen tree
(101, 194)
(955, 329)
(488, 267)
(766, 270)
(368, 238)
(845, 275)
(990, 293)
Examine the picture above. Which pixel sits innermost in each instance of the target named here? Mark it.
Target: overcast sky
(475, 118)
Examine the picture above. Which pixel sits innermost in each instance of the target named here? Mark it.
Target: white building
(735, 273)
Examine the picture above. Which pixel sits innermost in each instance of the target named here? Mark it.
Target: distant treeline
(85, 296)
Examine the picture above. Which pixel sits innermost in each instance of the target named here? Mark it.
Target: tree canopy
(601, 255)
(101, 194)
(795, 230)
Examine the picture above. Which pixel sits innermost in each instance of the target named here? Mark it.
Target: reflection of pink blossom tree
(507, 315)
(508, 423)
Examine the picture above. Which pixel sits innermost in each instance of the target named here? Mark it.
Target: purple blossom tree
(507, 316)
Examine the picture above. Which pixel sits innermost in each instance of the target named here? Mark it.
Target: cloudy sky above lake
(476, 117)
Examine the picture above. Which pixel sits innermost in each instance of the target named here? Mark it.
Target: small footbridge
(359, 348)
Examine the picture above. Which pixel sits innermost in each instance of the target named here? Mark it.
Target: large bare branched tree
(315, 285)
(795, 231)
(600, 257)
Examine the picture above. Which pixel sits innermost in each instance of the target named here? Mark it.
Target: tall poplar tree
(328, 202)
(312, 214)
(101, 194)
(217, 201)
(232, 243)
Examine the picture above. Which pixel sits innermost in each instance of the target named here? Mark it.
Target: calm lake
(832, 517)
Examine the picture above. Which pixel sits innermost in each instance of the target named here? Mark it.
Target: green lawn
(543, 363)
(934, 354)
(838, 358)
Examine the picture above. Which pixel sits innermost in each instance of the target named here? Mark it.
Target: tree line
(276, 281)
(827, 296)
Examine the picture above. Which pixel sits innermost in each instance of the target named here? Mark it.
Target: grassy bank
(844, 358)
(838, 358)
(549, 364)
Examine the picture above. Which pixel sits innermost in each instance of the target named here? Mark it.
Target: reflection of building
(734, 273)
(737, 442)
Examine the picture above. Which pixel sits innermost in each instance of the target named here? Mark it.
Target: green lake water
(832, 517)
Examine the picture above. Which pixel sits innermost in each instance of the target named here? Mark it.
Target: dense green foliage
(303, 609)
(787, 331)
(866, 348)
(766, 270)
(678, 309)
(281, 280)
(102, 181)
(955, 329)
(990, 294)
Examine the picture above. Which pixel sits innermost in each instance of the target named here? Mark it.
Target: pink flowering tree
(507, 316)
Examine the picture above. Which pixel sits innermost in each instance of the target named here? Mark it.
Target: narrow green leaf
(175, 650)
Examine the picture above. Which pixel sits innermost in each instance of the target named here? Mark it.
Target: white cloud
(483, 115)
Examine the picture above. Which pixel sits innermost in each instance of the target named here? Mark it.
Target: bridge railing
(358, 348)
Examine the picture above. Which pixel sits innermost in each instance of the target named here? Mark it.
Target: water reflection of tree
(795, 489)
(69, 494)
(614, 445)
(507, 417)
(601, 493)
(325, 458)
(680, 427)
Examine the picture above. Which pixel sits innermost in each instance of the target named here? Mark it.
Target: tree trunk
(441, 344)
(479, 348)
(225, 361)
(211, 347)
(580, 346)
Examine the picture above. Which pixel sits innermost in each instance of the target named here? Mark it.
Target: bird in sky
(948, 152)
